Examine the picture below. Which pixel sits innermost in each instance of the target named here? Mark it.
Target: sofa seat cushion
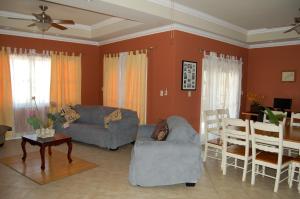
(88, 133)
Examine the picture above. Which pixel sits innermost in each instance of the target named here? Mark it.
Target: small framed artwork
(288, 76)
(189, 75)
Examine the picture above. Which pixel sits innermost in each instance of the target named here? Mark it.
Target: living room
(171, 34)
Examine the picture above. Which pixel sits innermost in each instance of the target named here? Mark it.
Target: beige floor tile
(110, 180)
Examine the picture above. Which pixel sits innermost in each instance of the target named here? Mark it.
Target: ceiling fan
(296, 25)
(43, 21)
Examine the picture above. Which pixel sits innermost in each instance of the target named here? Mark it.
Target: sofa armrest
(162, 150)
(124, 123)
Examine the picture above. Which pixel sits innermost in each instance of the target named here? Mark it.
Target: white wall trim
(137, 34)
(150, 32)
(275, 44)
(15, 15)
(268, 30)
(179, 27)
(107, 22)
(199, 14)
(210, 35)
(48, 37)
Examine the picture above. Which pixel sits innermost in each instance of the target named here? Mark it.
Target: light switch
(189, 93)
(166, 92)
(161, 93)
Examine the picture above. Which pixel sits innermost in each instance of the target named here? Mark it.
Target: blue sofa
(174, 161)
(89, 128)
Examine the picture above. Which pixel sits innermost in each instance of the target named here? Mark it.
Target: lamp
(43, 26)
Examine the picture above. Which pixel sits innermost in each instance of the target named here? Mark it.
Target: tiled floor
(109, 180)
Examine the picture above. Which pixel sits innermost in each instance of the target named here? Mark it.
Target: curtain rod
(217, 52)
(21, 50)
(149, 48)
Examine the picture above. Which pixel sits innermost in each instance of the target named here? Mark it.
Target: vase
(45, 132)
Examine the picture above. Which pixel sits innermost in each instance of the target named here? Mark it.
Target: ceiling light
(43, 26)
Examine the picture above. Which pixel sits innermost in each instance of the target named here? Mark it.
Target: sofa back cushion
(180, 129)
(90, 114)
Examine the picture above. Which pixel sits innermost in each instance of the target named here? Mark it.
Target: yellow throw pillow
(69, 113)
(113, 116)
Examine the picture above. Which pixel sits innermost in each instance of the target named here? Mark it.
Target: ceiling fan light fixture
(43, 26)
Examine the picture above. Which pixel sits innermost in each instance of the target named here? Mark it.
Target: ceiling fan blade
(289, 30)
(60, 21)
(55, 25)
(30, 25)
(38, 16)
(21, 19)
(293, 28)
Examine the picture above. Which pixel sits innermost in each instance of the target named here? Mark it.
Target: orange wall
(264, 73)
(90, 61)
(164, 70)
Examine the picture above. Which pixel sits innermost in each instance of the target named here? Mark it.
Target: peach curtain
(111, 80)
(65, 86)
(136, 84)
(6, 107)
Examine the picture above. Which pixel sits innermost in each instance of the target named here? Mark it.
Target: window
(125, 82)
(30, 76)
(221, 84)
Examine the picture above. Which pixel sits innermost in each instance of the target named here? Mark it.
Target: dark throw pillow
(161, 131)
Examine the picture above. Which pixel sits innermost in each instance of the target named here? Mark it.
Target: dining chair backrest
(267, 137)
(276, 113)
(293, 117)
(211, 122)
(222, 113)
(236, 131)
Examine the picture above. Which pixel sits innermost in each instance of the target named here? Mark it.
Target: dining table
(291, 137)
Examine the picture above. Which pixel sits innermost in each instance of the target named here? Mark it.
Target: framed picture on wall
(189, 75)
(288, 76)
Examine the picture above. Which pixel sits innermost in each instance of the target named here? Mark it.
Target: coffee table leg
(49, 150)
(69, 151)
(24, 149)
(42, 152)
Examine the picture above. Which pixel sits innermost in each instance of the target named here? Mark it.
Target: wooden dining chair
(294, 122)
(292, 171)
(213, 136)
(236, 144)
(266, 120)
(268, 139)
(222, 113)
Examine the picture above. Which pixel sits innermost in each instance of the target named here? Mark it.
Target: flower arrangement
(273, 118)
(255, 99)
(34, 120)
(57, 119)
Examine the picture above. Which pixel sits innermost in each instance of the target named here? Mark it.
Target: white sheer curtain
(30, 76)
(221, 83)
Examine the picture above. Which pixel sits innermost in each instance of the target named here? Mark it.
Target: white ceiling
(240, 21)
(249, 14)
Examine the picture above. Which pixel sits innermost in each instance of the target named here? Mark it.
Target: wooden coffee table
(57, 139)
